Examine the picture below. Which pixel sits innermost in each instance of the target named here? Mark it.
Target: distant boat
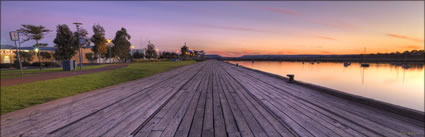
(364, 65)
(364, 56)
(346, 64)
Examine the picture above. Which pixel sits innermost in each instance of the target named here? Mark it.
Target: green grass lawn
(5, 74)
(17, 97)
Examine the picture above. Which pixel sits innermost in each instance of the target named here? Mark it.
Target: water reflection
(386, 82)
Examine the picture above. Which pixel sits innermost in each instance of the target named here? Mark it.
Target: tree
(184, 50)
(195, 53)
(33, 32)
(83, 35)
(45, 55)
(137, 55)
(122, 45)
(150, 51)
(91, 57)
(66, 43)
(99, 41)
(25, 56)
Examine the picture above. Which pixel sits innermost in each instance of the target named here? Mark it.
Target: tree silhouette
(99, 41)
(122, 45)
(150, 51)
(184, 50)
(66, 43)
(33, 32)
(45, 55)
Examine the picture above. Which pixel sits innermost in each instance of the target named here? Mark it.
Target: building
(132, 51)
(8, 53)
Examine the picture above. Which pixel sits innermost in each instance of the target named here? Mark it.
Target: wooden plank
(184, 127)
(263, 123)
(219, 124)
(290, 104)
(179, 106)
(198, 119)
(230, 122)
(241, 122)
(261, 112)
(208, 124)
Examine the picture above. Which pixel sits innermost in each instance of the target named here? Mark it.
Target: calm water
(384, 82)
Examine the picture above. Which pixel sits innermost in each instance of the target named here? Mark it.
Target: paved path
(206, 99)
(55, 75)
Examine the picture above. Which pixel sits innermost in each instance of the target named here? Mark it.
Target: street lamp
(109, 45)
(36, 50)
(157, 53)
(77, 24)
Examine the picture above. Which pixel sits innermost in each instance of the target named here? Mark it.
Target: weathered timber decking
(207, 99)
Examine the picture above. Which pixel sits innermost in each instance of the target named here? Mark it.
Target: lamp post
(157, 53)
(78, 38)
(110, 51)
(14, 36)
(36, 50)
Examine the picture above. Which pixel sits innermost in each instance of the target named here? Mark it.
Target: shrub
(6, 65)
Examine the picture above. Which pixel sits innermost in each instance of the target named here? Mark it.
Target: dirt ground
(55, 75)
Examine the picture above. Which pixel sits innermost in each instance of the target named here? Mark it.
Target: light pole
(14, 36)
(110, 51)
(157, 53)
(78, 39)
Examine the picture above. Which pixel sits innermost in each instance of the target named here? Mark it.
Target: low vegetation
(21, 96)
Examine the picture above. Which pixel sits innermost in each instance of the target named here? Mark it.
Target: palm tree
(33, 32)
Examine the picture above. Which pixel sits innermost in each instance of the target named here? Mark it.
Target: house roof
(5, 46)
(40, 48)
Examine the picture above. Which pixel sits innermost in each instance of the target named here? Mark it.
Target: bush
(45, 64)
(16, 65)
(36, 64)
(6, 65)
(51, 64)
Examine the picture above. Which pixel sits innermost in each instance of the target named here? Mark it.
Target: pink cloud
(412, 47)
(405, 37)
(300, 15)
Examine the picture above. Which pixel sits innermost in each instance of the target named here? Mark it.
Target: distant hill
(406, 56)
(213, 56)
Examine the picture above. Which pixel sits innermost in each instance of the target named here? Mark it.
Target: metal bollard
(291, 78)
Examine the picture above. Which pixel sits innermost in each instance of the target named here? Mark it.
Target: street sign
(14, 36)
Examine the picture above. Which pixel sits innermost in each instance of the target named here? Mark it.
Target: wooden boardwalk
(207, 99)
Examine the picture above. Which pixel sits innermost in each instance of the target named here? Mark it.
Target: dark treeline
(406, 56)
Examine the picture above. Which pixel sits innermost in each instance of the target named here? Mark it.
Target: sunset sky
(236, 28)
